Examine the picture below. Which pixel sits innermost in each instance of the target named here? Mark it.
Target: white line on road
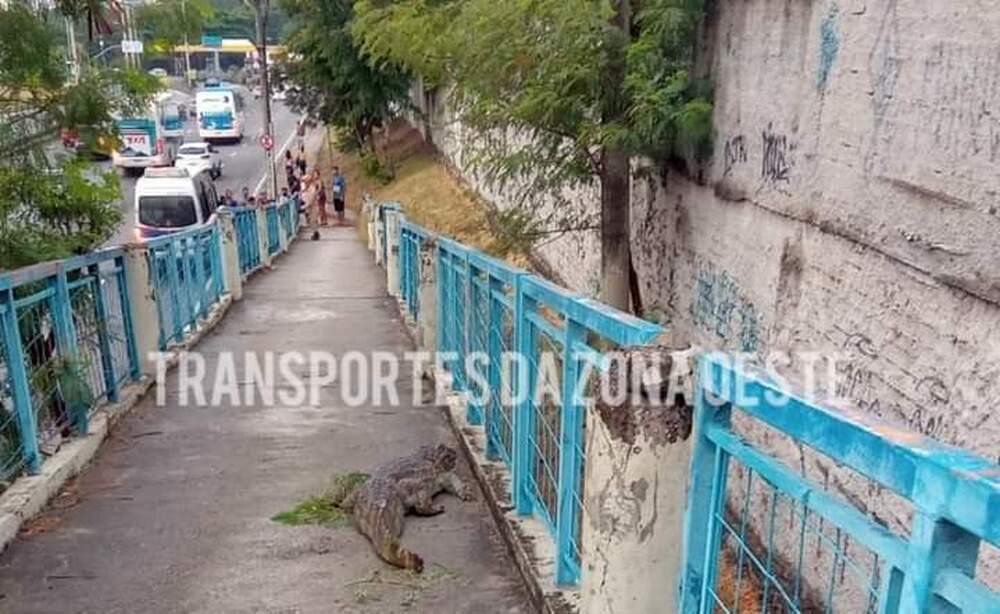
(277, 155)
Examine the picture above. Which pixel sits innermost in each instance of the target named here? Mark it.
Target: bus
(220, 112)
(142, 142)
(170, 116)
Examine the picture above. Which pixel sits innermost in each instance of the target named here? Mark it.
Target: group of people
(311, 191)
(303, 185)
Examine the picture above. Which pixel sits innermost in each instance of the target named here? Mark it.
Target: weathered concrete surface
(173, 515)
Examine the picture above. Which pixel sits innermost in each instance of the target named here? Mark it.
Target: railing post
(142, 299)
(230, 252)
(524, 392)
(104, 339)
(428, 282)
(61, 307)
(128, 317)
(570, 460)
(392, 268)
(935, 545)
(199, 277)
(494, 345)
(177, 293)
(19, 388)
(262, 240)
(706, 497)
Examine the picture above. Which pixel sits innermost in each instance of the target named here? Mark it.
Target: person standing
(339, 193)
(300, 159)
(289, 167)
(310, 195)
(321, 199)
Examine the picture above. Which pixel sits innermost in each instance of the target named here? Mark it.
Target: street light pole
(187, 46)
(261, 8)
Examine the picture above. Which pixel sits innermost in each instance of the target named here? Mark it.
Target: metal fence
(273, 229)
(67, 347)
(411, 241)
(488, 308)
(247, 239)
(187, 277)
(792, 545)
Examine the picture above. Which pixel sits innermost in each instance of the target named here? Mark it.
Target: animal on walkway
(404, 485)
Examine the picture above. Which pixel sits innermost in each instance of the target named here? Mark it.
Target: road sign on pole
(266, 141)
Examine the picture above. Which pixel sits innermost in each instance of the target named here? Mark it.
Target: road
(244, 163)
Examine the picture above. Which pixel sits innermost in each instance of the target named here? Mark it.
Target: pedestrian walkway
(174, 513)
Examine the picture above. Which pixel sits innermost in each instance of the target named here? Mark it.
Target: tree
(51, 209)
(167, 24)
(560, 93)
(331, 79)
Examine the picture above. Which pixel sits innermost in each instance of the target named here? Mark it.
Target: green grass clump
(324, 510)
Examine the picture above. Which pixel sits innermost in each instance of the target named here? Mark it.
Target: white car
(199, 157)
(280, 95)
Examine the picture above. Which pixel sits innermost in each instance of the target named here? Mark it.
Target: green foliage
(166, 23)
(52, 209)
(374, 169)
(550, 84)
(324, 509)
(330, 79)
(49, 213)
(314, 510)
(547, 67)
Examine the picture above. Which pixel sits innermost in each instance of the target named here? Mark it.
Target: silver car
(198, 157)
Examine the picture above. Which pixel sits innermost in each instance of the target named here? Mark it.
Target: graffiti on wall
(735, 153)
(721, 308)
(829, 45)
(776, 161)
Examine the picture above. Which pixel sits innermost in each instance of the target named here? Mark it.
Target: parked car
(101, 149)
(198, 157)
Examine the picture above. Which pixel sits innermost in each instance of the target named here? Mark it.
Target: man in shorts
(339, 193)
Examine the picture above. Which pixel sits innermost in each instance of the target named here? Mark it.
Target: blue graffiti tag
(829, 46)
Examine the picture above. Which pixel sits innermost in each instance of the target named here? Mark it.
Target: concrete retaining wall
(850, 209)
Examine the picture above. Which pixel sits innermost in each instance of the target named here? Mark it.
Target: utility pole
(261, 8)
(74, 55)
(187, 46)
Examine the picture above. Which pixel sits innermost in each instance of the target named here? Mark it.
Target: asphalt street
(244, 163)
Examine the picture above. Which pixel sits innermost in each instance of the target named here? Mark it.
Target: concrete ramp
(174, 514)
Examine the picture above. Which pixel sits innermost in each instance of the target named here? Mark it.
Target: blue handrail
(488, 307)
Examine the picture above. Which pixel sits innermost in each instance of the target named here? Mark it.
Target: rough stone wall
(850, 208)
(850, 205)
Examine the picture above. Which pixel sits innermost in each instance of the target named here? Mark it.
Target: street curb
(526, 538)
(29, 494)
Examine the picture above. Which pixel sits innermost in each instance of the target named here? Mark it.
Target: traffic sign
(131, 46)
(266, 141)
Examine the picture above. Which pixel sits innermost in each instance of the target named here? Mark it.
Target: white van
(171, 199)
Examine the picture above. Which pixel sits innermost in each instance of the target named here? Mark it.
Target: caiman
(404, 485)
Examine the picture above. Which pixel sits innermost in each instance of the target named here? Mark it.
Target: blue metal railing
(803, 548)
(247, 239)
(488, 308)
(273, 228)
(67, 346)
(411, 239)
(187, 276)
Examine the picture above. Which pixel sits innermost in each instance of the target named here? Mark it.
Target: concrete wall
(850, 208)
